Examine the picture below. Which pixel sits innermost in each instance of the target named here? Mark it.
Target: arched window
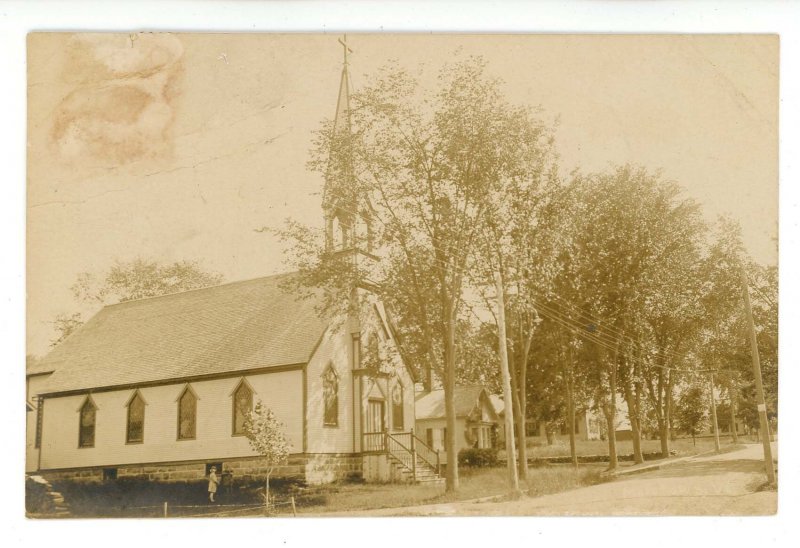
(330, 396)
(373, 352)
(88, 417)
(135, 430)
(187, 414)
(397, 407)
(242, 406)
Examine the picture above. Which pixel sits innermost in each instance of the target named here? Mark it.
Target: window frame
(246, 385)
(187, 389)
(400, 406)
(37, 441)
(328, 374)
(93, 406)
(136, 395)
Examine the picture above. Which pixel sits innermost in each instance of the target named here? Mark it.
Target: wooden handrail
(427, 454)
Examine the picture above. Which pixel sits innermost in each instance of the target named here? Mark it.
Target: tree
(266, 437)
(692, 416)
(141, 278)
(126, 281)
(65, 325)
(428, 162)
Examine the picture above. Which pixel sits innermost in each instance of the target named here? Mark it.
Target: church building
(159, 388)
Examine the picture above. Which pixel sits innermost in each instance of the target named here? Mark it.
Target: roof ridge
(236, 282)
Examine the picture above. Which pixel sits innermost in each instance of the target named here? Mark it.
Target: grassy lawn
(474, 483)
(681, 446)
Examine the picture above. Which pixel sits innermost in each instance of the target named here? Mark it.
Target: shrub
(477, 458)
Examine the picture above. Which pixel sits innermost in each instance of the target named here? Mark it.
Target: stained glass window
(135, 432)
(242, 406)
(87, 423)
(330, 395)
(187, 415)
(397, 407)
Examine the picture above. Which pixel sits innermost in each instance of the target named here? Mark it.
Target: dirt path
(709, 485)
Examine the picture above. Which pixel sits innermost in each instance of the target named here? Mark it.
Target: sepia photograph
(356, 274)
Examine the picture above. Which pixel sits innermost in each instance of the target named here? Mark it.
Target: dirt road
(708, 485)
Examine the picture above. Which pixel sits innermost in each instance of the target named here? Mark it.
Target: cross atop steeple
(343, 42)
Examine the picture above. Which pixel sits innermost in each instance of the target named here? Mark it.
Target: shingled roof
(430, 405)
(227, 328)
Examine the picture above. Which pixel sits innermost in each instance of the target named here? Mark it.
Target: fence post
(165, 508)
(294, 509)
(413, 457)
(438, 464)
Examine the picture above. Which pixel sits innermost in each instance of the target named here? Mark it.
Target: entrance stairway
(45, 502)
(411, 459)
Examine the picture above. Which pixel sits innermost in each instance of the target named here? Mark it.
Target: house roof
(430, 405)
(233, 327)
(37, 367)
(498, 403)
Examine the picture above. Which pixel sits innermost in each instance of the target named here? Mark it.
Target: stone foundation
(314, 468)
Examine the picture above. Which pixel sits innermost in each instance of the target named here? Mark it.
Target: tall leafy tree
(428, 161)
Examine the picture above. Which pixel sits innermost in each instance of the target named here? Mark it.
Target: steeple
(348, 226)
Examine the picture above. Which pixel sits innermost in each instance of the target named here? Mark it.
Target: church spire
(347, 222)
(342, 120)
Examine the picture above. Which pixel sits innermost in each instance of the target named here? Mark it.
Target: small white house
(476, 420)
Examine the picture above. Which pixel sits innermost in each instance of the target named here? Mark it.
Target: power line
(604, 344)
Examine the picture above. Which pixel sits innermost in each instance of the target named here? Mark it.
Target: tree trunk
(611, 419)
(266, 496)
(633, 416)
(522, 446)
(449, 384)
(612, 414)
(663, 432)
(734, 433)
(518, 380)
(573, 453)
(522, 450)
(511, 456)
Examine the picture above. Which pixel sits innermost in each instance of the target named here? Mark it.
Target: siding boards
(281, 392)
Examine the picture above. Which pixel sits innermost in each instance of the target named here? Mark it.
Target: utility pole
(714, 413)
(762, 407)
(732, 398)
(511, 455)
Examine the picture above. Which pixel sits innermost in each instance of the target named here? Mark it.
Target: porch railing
(427, 454)
(405, 447)
(373, 442)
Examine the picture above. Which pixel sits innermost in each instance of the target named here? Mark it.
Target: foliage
(65, 325)
(692, 412)
(478, 457)
(266, 437)
(136, 279)
(142, 278)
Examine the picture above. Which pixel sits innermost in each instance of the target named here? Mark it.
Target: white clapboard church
(159, 387)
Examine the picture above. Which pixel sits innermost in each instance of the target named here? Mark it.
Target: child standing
(213, 481)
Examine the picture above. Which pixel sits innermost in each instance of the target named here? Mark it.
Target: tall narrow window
(135, 430)
(373, 352)
(356, 350)
(187, 415)
(242, 406)
(88, 417)
(397, 407)
(39, 419)
(330, 396)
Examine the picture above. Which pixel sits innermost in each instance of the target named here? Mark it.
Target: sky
(178, 146)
